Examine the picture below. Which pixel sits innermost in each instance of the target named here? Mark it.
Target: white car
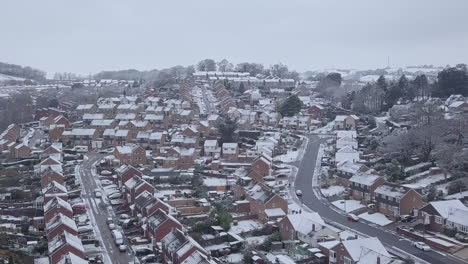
(122, 248)
(106, 182)
(298, 192)
(116, 195)
(97, 193)
(422, 246)
(112, 226)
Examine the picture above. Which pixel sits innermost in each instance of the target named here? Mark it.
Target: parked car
(97, 193)
(78, 208)
(112, 226)
(142, 251)
(298, 192)
(353, 218)
(109, 220)
(407, 218)
(106, 182)
(122, 248)
(85, 229)
(422, 246)
(149, 258)
(115, 195)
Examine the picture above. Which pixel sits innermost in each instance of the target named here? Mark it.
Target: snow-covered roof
(275, 212)
(57, 201)
(65, 238)
(445, 207)
(458, 216)
(391, 191)
(71, 258)
(364, 178)
(211, 143)
(82, 132)
(303, 222)
(356, 246)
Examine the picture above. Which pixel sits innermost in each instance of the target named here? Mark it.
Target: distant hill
(17, 72)
(130, 74)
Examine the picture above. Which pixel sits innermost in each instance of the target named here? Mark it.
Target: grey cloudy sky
(87, 36)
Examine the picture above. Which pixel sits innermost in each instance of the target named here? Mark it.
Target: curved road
(388, 237)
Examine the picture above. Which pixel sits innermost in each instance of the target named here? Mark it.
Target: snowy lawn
(255, 241)
(332, 190)
(245, 226)
(235, 258)
(350, 205)
(376, 218)
(290, 156)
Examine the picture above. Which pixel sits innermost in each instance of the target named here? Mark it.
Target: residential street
(309, 198)
(99, 212)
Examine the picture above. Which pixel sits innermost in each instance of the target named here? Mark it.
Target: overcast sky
(88, 36)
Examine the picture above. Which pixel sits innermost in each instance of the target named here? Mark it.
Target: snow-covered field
(376, 218)
(348, 205)
(332, 190)
(4, 77)
(245, 226)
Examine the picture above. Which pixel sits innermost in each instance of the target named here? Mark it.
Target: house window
(332, 256)
(438, 220)
(347, 260)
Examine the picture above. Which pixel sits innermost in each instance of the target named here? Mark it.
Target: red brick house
(59, 224)
(262, 199)
(177, 246)
(21, 151)
(346, 169)
(363, 185)
(134, 187)
(57, 206)
(54, 189)
(261, 167)
(355, 251)
(146, 204)
(160, 224)
(130, 154)
(316, 111)
(230, 151)
(12, 133)
(55, 132)
(395, 201)
(64, 244)
(80, 136)
(434, 215)
(49, 176)
(127, 172)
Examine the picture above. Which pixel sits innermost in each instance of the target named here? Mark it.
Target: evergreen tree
(227, 128)
(241, 88)
(291, 106)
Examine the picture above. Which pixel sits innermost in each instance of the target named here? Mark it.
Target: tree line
(384, 94)
(279, 69)
(22, 72)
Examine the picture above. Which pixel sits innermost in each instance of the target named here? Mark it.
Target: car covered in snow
(353, 218)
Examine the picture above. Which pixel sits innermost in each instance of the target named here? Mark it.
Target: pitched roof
(444, 207)
(356, 246)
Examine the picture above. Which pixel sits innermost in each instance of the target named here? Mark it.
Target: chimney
(378, 260)
(313, 227)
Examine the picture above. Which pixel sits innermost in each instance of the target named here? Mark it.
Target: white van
(118, 238)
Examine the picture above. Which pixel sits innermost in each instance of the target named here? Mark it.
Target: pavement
(311, 198)
(99, 210)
